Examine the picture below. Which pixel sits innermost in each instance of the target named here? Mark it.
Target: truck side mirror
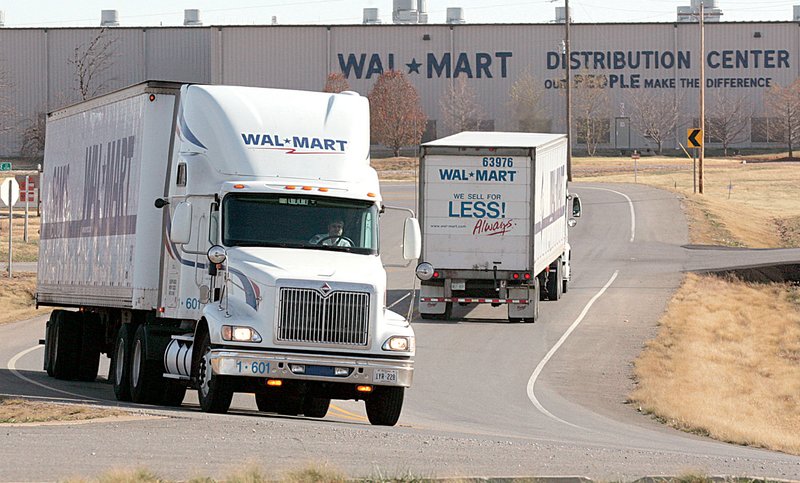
(412, 239)
(181, 231)
(576, 206)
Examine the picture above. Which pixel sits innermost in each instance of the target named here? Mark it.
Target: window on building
(536, 125)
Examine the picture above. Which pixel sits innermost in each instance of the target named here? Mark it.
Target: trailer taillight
(527, 276)
(152, 97)
(515, 276)
(435, 274)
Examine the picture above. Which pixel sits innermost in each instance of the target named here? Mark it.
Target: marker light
(364, 388)
(152, 97)
(274, 382)
(371, 195)
(238, 186)
(324, 190)
(307, 188)
(290, 187)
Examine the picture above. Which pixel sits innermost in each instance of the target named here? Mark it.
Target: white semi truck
(223, 239)
(494, 210)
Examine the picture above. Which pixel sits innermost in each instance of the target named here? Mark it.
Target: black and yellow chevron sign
(694, 137)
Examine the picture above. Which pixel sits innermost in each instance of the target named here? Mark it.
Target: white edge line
(12, 366)
(540, 367)
(630, 203)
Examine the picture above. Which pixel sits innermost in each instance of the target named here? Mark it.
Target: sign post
(27, 198)
(9, 193)
(5, 166)
(694, 139)
(635, 158)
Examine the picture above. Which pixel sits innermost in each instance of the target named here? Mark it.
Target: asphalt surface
(489, 398)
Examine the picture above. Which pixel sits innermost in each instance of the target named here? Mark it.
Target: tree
(592, 112)
(728, 120)
(335, 83)
(783, 104)
(655, 115)
(91, 61)
(33, 137)
(460, 108)
(526, 104)
(396, 115)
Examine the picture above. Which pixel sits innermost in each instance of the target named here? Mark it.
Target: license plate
(458, 285)
(385, 375)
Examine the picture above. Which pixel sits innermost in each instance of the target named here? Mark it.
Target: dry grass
(22, 252)
(16, 297)
(726, 363)
(760, 210)
(22, 411)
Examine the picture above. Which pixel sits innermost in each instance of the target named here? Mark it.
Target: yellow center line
(347, 414)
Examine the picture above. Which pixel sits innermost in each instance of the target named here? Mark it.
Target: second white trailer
(494, 210)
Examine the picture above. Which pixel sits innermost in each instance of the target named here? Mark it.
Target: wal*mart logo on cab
(294, 144)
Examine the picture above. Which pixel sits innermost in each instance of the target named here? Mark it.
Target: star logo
(287, 141)
(326, 289)
(413, 67)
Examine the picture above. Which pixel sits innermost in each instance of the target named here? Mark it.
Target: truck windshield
(266, 220)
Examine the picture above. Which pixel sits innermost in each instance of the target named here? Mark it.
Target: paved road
(489, 398)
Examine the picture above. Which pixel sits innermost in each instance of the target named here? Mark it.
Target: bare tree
(526, 104)
(33, 137)
(460, 108)
(396, 115)
(591, 107)
(90, 61)
(7, 112)
(655, 115)
(783, 104)
(728, 118)
(336, 82)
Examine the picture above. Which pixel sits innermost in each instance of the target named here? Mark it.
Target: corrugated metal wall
(490, 57)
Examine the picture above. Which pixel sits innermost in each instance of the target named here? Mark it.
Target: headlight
(424, 271)
(399, 343)
(240, 334)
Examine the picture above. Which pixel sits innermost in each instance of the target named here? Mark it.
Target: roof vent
(191, 17)
(561, 16)
(371, 16)
(2, 18)
(109, 18)
(455, 15)
(795, 17)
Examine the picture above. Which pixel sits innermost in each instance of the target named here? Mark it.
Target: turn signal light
(274, 382)
(364, 388)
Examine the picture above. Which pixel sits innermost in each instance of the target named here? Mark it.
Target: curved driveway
(489, 398)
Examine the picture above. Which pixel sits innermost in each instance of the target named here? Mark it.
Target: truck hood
(266, 266)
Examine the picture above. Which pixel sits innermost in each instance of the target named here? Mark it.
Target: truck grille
(340, 318)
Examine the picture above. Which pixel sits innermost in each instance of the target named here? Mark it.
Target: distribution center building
(618, 62)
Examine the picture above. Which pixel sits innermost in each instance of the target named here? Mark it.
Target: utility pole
(702, 97)
(569, 88)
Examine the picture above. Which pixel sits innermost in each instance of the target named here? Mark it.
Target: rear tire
(384, 405)
(120, 366)
(316, 407)
(91, 340)
(146, 376)
(214, 392)
(266, 403)
(66, 345)
(49, 334)
(555, 281)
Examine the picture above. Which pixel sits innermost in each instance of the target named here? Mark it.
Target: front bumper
(360, 370)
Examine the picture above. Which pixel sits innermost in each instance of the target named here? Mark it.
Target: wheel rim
(136, 362)
(119, 363)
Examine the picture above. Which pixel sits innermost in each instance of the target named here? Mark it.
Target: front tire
(213, 391)
(316, 407)
(384, 405)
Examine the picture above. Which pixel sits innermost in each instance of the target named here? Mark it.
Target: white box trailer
(494, 217)
(224, 239)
